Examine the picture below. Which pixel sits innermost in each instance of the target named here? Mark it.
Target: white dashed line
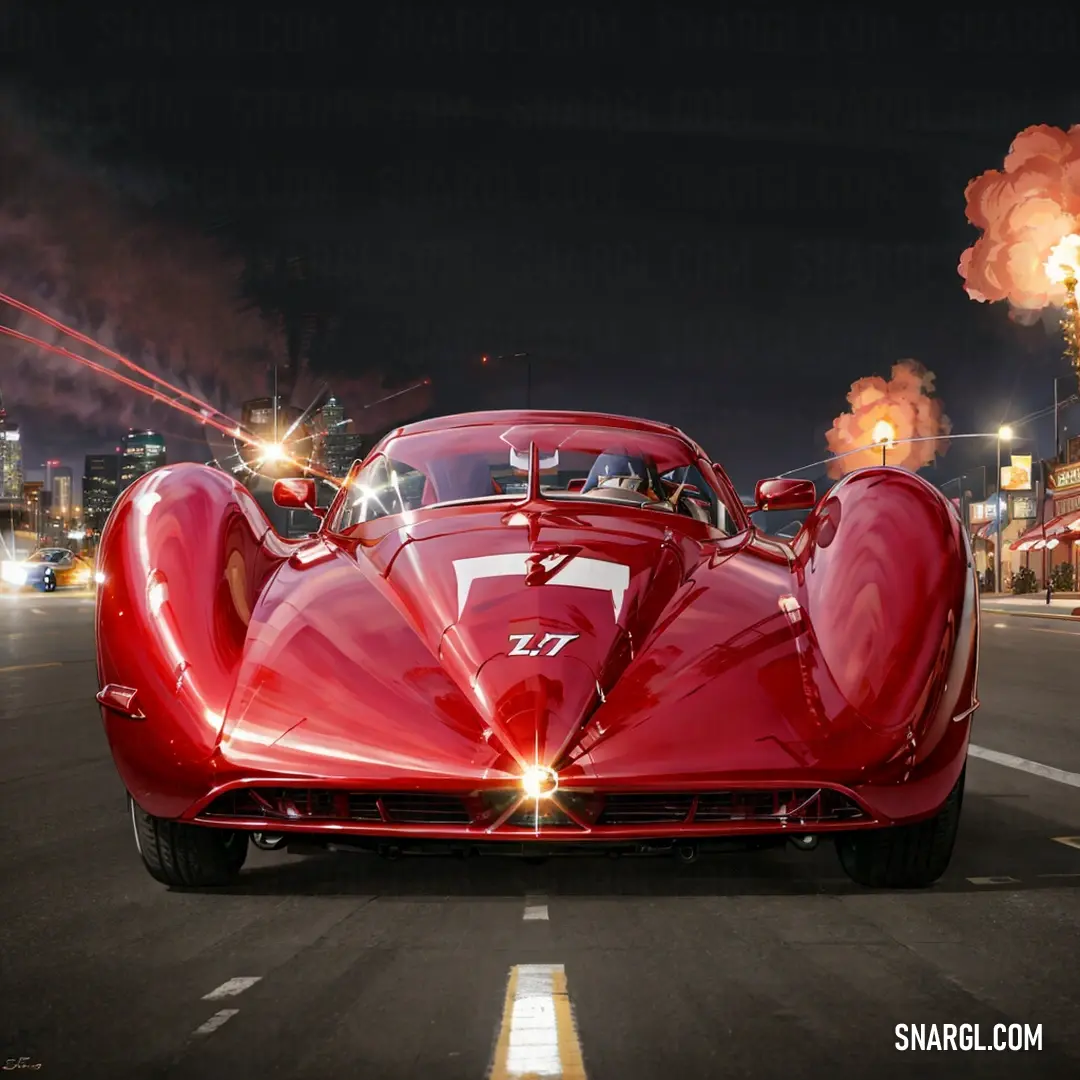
(1010, 761)
(535, 910)
(232, 987)
(1068, 841)
(37, 611)
(1001, 626)
(994, 880)
(216, 1021)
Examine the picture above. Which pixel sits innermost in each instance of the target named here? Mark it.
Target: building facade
(63, 488)
(100, 487)
(11, 462)
(142, 452)
(339, 447)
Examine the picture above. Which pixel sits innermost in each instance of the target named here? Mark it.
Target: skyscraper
(100, 486)
(143, 451)
(11, 463)
(340, 448)
(63, 483)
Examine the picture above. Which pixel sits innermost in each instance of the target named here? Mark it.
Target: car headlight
(13, 574)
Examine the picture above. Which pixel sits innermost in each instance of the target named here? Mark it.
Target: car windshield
(613, 465)
(47, 556)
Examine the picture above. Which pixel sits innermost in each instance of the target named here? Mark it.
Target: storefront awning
(1065, 527)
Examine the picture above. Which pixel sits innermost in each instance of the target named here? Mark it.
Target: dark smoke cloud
(165, 298)
(905, 403)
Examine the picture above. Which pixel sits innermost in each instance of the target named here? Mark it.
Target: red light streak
(155, 395)
(206, 414)
(86, 340)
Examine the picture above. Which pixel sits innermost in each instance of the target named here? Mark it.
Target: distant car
(49, 569)
(539, 633)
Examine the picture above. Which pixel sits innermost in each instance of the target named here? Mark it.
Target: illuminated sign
(1067, 476)
(1022, 508)
(1017, 476)
(11, 436)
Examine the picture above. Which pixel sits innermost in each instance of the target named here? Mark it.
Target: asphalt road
(346, 966)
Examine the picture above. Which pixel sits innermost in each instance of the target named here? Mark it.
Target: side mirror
(785, 494)
(297, 494)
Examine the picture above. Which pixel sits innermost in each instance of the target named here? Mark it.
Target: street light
(883, 433)
(1005, 434)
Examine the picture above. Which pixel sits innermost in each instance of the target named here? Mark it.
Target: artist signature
(19, 1063)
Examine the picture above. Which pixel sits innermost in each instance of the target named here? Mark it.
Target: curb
(1030, 614)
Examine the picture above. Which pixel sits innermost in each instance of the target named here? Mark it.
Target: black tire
(905, 856)
(190, 856)
(50, 582)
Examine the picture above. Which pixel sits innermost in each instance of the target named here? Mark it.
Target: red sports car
(535, 633)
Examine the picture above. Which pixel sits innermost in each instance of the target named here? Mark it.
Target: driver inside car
(618, 474)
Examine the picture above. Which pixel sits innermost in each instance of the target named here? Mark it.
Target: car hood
(456, 649)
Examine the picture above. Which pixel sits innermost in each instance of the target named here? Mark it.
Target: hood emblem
(538, 568)
(548, 645)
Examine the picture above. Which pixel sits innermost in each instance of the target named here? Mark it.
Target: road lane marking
(37, 611)
(537, 1036)
(215, 1021)
(535, 909)
(1058, 875)
(1031, 614)
(1038, 629)
(1010, 761)
(232, 987)
(994, 880)
(1068, 841)
(29, 667)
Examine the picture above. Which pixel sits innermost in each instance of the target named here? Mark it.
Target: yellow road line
(537, 1036)
(29, 667)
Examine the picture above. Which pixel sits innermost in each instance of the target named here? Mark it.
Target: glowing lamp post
(883, 433)
(1004, 434)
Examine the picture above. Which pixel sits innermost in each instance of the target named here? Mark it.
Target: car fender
(888, 579)
(185, 554)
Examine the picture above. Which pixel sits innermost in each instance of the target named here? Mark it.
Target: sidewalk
(1060, 607)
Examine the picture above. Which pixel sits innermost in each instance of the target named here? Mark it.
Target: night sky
(716, 220)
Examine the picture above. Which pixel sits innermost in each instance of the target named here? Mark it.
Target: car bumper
(660, 811)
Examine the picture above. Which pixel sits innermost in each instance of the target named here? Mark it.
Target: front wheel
(50, 582)
(187, 855)
(904, 856)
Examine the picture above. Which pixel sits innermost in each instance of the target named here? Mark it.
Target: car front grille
(568, 809)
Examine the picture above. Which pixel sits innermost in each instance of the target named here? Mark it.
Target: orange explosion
(1029, 215)
(884, 413)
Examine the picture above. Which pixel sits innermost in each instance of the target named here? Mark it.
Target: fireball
(1029, 215)
(885, 412)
